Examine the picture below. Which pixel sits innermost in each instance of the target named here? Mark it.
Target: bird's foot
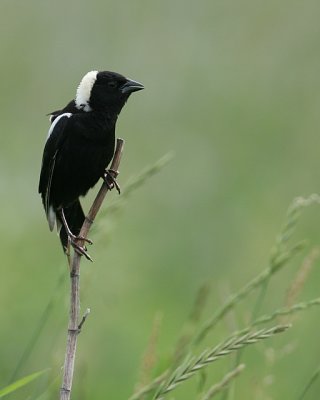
(80, 249)
(74, 238)
(110, 181)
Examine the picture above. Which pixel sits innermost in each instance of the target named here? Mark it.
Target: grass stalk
(74, 324)
(280, 256)
(245, 291)
(188, 369)
(224, 383)
(311, 381)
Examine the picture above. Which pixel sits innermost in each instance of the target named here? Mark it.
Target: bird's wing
(56, 137)
(69, 108)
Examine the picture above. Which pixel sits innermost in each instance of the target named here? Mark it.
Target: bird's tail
(75, 217)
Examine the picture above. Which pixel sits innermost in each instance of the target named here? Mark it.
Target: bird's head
(103, 91)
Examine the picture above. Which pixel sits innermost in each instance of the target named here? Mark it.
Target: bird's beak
(131, 86)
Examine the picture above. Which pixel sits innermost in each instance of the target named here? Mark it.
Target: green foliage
(218, 387)
(281, 255)
(20, 383)
(232, 88)
(312, 380)
(190, 367)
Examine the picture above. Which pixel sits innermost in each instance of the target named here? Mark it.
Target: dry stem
(74, 325)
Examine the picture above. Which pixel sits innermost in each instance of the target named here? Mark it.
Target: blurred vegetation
(233, 89)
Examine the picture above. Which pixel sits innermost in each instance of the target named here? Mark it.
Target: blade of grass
(218, 387)
(278, 251)
(311, 381)
(21, 382)
(282, 239)
(40, 325)
(280, 256)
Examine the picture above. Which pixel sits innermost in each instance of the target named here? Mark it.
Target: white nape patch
(56, 121)
(51, 215)
(84, 91)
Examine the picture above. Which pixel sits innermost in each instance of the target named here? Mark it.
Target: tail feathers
(75, 217)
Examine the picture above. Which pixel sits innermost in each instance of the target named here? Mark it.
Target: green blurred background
(232, 87)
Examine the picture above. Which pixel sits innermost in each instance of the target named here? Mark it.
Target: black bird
(79, 148)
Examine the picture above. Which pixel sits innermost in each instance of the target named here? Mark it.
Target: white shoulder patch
(56, 121)
(84, 91)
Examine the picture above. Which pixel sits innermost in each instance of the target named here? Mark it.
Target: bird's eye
(112, 84)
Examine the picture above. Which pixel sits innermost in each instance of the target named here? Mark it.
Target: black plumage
(79, 147)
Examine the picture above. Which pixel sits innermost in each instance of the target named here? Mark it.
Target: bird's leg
(110, 181)
(73, 238)
(69, 233)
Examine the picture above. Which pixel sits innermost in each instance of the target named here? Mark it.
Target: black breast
(87, 151)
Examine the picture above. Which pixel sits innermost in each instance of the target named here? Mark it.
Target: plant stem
(74, 325)
(218, 387)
